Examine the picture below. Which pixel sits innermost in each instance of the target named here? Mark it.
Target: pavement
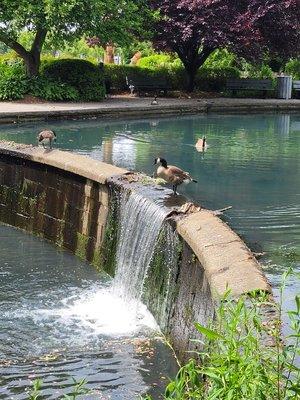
(126, 106)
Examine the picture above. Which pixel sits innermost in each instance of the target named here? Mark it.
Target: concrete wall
(73, 201)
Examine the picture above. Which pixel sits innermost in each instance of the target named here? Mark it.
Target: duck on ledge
(172, 174)
(46, 136)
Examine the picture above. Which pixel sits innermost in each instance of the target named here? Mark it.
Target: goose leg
(50, 143)
(174, 189)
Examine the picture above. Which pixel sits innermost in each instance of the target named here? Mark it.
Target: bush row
(207, 79)
(81, 80)
(60, 80)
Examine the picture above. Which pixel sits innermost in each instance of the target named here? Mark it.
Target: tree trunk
(32, 63)
(32, 58)
(192, 61)
(191, 73)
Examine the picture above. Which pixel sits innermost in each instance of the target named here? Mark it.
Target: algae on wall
(105, 256)
(160, 286)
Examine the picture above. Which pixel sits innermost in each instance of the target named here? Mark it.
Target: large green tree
(111, 20)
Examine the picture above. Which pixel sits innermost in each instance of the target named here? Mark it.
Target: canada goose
(172, 174)
(154, 102)
(46, 136)
(201, 144)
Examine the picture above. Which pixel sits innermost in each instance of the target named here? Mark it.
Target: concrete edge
(77, 164)
(204, 106)
(227, 261)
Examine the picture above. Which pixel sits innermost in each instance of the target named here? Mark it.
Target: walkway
(120, 107)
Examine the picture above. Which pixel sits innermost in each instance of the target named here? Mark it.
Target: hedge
(85, 77)
(60, 80)
(207, 79)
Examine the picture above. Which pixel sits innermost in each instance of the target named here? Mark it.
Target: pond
(252, 164)
(60, 321)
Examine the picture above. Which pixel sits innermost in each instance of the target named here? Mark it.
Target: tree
(117, 20)
(195, 28)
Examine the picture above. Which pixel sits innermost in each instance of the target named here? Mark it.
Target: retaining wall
(71, 200)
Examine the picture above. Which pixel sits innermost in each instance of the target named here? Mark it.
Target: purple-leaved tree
(250, 28)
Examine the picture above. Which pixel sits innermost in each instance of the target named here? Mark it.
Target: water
(252, 163)
(140, 223)
(61, 320)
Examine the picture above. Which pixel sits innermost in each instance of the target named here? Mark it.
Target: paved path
(119, 106)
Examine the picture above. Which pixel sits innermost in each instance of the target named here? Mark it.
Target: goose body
(154, 102)
(201, 144)
(172, 174)
(46, 136)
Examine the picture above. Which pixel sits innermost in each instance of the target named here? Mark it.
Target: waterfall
(140, 223)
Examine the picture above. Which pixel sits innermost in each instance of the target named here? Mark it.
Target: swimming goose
(172, 174)
(46, 136)
(201, 144)
(154, 102)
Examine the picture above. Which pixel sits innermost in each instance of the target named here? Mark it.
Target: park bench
(249, 84)
(296, 87)
(147, 84)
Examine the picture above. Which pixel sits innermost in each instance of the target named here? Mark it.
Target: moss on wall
(160, 286)
(105, 258)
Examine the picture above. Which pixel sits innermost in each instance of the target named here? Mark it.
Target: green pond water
(252, 164)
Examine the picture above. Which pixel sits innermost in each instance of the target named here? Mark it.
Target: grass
(78, 390)
(243, 356)
(236, 363)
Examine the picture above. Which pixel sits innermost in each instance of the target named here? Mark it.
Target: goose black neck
(163, 163)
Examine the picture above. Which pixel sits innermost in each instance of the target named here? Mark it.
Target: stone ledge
(77, 164)
(228, 262)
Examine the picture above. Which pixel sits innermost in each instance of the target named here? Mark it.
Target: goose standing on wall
(172, 174)
(46, 136)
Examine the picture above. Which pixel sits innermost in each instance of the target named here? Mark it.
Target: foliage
(250, 29)
(160, 61)
(220, 58)
(82, 48)
(207, 79)
(52, 90)
(235, 363)
(79, 389)
(36, 389)
(259, 71)
(111, 20)
(85, 77)
(127, 51)
(13, 82)
(293, 68)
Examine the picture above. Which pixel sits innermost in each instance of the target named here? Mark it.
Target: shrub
(13, 81)
(293, 68)
(51, 90)
(214, 79)
(13, 88)
(236, 362)
(156, 61)
(84, 76)
(219, 59)
(207, 78)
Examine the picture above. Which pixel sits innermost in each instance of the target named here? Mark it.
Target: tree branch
(13, 44)
(39, 39)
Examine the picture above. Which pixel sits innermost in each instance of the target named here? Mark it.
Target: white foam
(102, 312)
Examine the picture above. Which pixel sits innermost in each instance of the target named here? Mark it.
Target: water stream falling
(140, 223)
